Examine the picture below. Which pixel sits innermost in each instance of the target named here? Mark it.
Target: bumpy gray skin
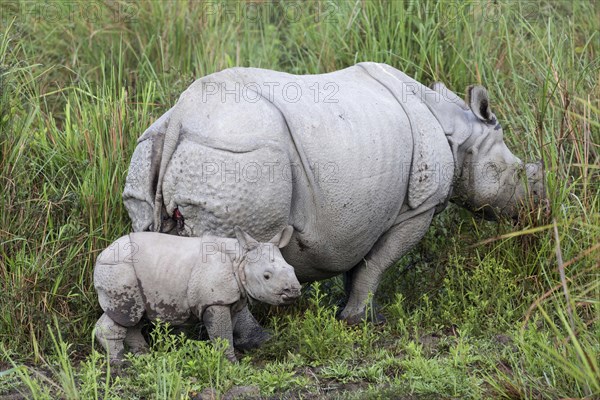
(173, 279)
(371, 160)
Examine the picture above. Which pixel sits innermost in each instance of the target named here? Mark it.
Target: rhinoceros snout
(535, 180)
(290, 293)
(529, 194)
(532, 194)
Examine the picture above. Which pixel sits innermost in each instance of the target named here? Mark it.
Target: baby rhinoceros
(174, 278)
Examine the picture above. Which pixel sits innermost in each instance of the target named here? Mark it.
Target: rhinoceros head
(268, 277)
(492, 180)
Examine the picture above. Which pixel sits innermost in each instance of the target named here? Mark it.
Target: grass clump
(316, 335)
(448, 375)
(484, 296)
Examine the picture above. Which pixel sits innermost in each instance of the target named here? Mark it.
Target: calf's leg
(247, 333)
(217, 320)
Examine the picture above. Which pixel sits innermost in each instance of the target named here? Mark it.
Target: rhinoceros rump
(358, 161)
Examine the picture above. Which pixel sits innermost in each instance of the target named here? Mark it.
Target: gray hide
(173, 279)
(357, 160)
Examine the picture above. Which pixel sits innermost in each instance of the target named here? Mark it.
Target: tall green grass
(80, 82)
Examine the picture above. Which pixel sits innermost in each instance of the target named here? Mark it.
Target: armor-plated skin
(173, 279)
(362, 159)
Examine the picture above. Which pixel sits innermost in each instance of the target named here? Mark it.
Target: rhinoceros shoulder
(432, 165)
(212, 282)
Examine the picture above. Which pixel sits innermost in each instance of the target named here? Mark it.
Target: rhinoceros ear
(479, 102)
(449, 95)
(246, 241)
(283, 238)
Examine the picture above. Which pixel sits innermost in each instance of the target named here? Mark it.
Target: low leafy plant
(479, 299)
(445, 376)
(317, 335)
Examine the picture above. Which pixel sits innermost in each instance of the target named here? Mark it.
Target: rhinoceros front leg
(365, 277)
(217, 320)
(247, 332)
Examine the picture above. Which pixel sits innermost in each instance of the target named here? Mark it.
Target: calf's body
(173, 278)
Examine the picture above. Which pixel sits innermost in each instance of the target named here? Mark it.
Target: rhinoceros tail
(140, 184)
(169, 145)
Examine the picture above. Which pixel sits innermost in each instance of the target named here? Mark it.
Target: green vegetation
(477, 310)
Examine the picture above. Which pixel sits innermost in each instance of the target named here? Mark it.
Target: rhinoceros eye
(267, 276)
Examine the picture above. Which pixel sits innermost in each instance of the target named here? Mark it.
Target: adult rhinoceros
(357, 160)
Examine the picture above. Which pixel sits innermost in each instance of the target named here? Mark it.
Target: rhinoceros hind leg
(365, 277)
(135, 340)
(247, 332)
(111, 336)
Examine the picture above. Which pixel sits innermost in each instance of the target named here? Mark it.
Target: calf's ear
(479, 103)
(283, 238)
(246, 241)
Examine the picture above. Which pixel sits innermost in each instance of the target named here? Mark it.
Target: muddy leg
(111, 336)
(364, 278)
(135, 341)
(247, 333)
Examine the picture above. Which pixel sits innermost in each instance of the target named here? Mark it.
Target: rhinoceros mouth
(289, 297)
(488, 213)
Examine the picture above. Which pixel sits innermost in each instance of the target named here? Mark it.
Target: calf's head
(267, 276)
(493, 181)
